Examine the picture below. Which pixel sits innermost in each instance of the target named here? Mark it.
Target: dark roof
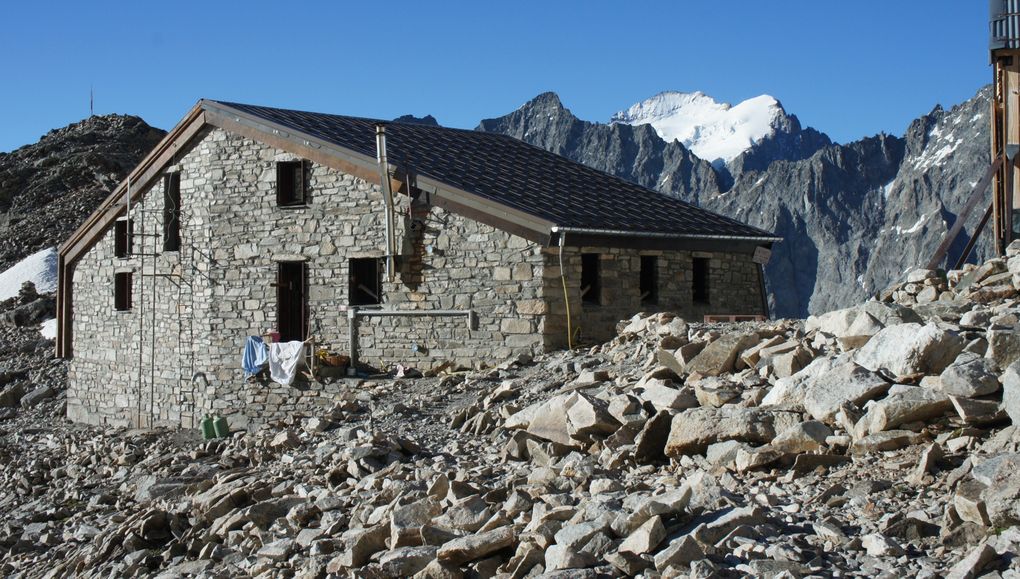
(516, 174)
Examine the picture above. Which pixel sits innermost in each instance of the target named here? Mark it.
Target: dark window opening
(365, 282)
(122, 232)
(290, 183)
(590, 290)
(172, 212)
(649, 283)
(700, 285)
(291, 301)
(122, 291)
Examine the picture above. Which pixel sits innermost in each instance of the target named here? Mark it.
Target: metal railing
(1004, 24)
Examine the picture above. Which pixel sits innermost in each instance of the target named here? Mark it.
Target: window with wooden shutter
(122, 232)
(649, 282)
(290, 183)
(591, 290)
(700, 281)
(122, 291)
(292, 300)
(365, 281)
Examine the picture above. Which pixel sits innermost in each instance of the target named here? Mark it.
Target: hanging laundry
(283, 361)
(254, 356)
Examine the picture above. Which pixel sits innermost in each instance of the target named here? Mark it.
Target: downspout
(566, 296)
(384, 181)
(764, 292)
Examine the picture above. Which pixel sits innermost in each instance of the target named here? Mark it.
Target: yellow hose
(566, 297)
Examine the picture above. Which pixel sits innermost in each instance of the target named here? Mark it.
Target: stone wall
(137, 367)
(733, 279)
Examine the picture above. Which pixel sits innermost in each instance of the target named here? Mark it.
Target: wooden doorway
(292, 300)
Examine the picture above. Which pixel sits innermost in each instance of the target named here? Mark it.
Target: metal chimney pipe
(384, 181)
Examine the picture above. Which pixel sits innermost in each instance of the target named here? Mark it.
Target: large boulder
(550, 421)
(694, 430)
(1001, 492)
(38, 395)
(824, 393)
(567, 419)
(834, 323)
(1011, 392)
(1003, 347)
(890, 314)
(789, 390)
(969, 376)
(859, 332)
(719, 356)
(904, 405)
(588, 415)
(12, 395)
(910, 349)
(472, 547)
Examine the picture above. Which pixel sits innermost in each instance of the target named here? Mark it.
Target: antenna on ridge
(92, 101)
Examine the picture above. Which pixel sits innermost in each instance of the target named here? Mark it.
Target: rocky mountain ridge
(717, 132)
(854, 217)
(48, 188)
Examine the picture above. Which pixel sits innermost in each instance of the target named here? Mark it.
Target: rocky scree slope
(48, 188)
(854, 217)
(879, 440)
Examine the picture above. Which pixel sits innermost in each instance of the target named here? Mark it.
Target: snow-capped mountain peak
(714, 131)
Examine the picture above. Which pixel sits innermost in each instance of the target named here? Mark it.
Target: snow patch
(49, 329)
(716, 132)
(887, 189)
(913, 228)
(39, 268)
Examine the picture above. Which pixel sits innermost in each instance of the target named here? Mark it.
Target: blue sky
(848, 68)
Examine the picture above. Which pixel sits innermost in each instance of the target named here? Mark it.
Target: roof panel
(515, 174)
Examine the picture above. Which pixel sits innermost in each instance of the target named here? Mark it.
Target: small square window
(365, 282)
(290, 183)
(591, 292)
(122, 291)
(700, 280)
(122, 232)
(649, 283)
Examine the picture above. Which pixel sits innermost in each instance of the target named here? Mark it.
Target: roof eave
(665, 235)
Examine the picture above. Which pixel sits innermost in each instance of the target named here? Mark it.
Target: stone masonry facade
(175, 355)
(734, 283)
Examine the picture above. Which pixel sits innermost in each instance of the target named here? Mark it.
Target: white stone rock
(1011, 391)
(910, 349)
(878, 545)
(969, 376)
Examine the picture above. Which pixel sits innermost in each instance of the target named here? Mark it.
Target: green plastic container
(208, 428)
(220, 427)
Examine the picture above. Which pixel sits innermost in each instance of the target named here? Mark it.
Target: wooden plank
(489, 219)
(973, 238)
(961, 219)
(366, 170)
(174, 140)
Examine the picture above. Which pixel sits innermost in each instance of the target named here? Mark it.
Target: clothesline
(283, 357)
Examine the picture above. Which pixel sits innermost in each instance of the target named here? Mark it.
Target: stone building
(248, 220)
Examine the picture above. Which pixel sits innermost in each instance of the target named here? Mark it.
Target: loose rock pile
(872, 441)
